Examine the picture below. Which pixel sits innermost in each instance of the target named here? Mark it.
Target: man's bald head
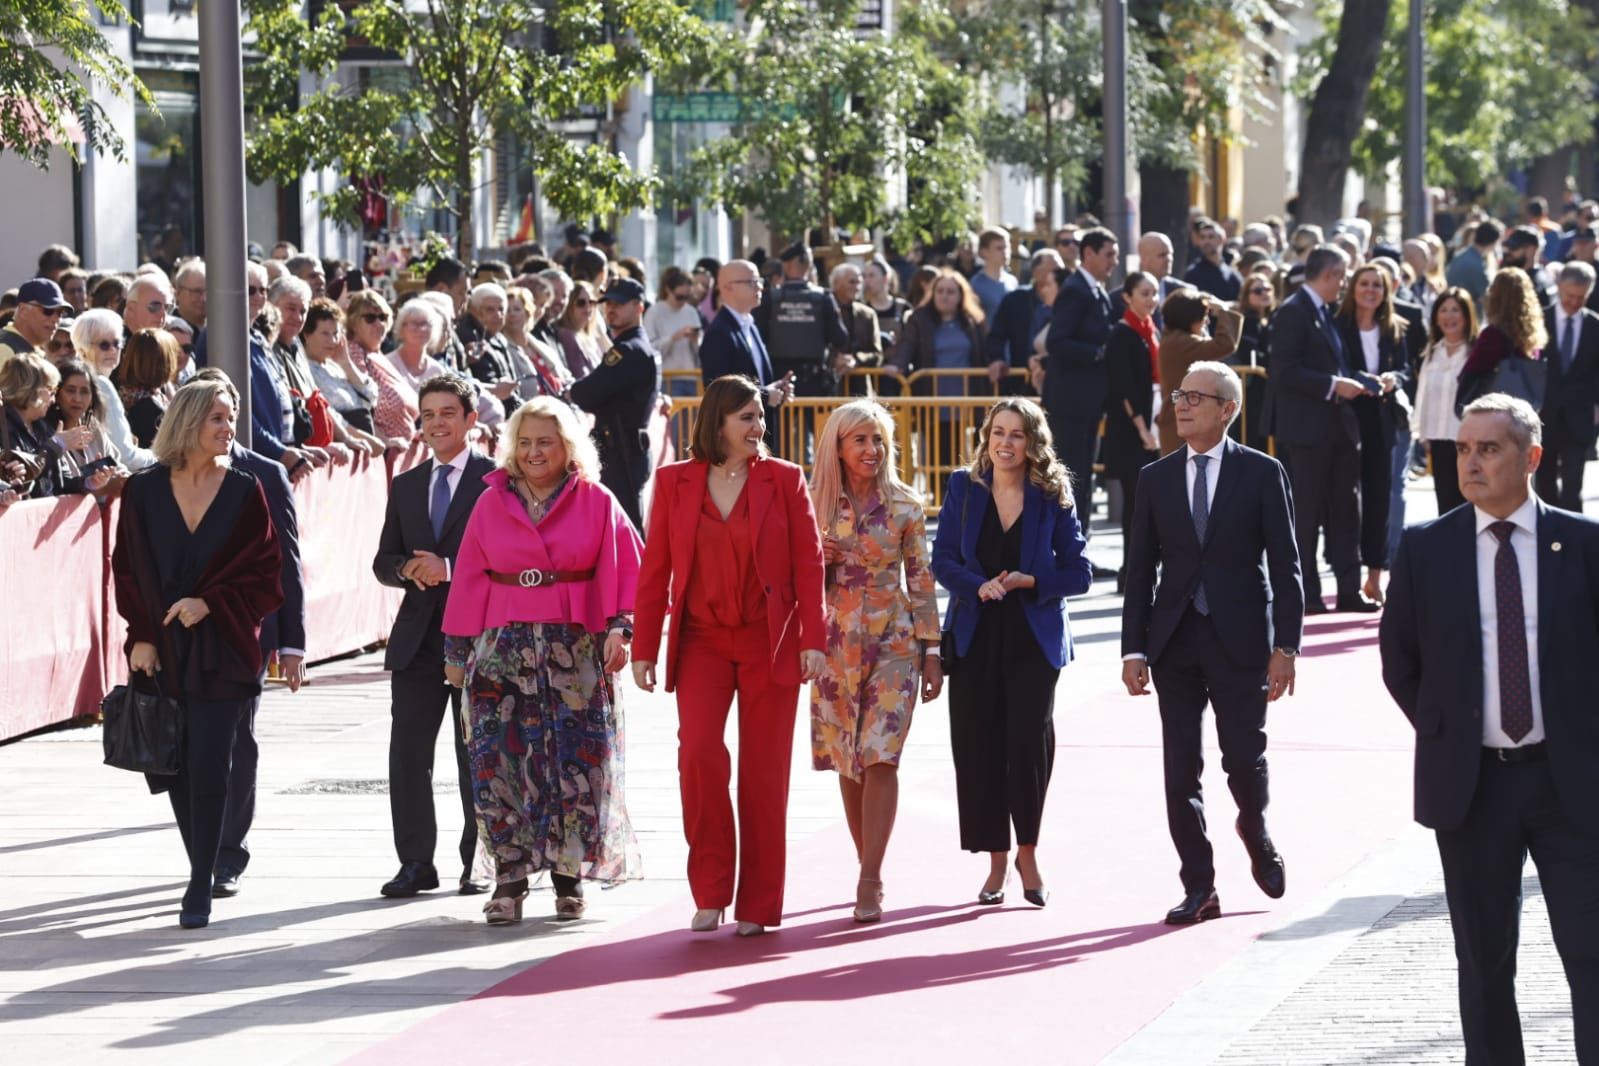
(1154, 254)
(739, 285)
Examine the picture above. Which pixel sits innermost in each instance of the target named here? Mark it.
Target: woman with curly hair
(1009, 550)
(1513, 329)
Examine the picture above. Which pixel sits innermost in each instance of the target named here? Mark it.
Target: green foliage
(40, 93)
(1507, 82)
(829, 113)
(472, 70)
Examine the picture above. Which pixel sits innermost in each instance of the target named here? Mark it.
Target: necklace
(731, 474)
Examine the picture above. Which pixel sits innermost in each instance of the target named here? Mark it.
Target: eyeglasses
(582, 301)
(374, 316)
(108, 346)
(191, 289)
(1192, 397)
(1259, 291)
(257, 290)
(746, 281)
(156, 307)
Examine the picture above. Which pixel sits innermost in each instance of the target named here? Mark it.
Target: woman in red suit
(734, 555)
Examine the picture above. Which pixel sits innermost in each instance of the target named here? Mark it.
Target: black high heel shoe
(1038, 897)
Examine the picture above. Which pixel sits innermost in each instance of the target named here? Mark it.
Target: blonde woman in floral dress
(882, 628)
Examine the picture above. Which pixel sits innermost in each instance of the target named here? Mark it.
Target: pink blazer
(586, 528)
(788, 559)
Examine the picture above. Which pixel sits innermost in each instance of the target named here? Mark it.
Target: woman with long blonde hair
(1513, 328)
(1009, 550)
(882, 629)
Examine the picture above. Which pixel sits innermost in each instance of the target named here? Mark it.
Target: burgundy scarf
(1145, 328)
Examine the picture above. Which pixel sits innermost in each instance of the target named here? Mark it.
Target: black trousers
(1558, 478)
(239, 812)
(1002, 729)
(1194, 670)
(1516, 811)
(199, 793)
(1445, 475)
(1076, 444)
(1325, 479)
(419, 700)
(1376, 483)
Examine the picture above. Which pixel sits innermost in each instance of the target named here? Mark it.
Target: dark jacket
(59, 477)
(1074, 372)
(1569, 402)
(1130, 380)
(726, 349)
(1383, 414)
(1304, 362)
(1249, 560)
(406, 529)
(915, 348)
(1431, 639)
(1052, 552)
(1011, 332)
(285, 627)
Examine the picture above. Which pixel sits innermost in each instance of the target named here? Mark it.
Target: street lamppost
(1413, 175)
(222, 173)
(1118, 207)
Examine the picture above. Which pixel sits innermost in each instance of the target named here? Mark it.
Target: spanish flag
(524, 227)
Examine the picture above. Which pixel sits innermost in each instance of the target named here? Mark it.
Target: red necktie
(1515, 682)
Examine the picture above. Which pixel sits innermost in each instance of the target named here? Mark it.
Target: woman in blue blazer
(1010, 551)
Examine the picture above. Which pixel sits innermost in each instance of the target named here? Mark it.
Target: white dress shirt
(1524, 542)
(1190, 471)
(457, 471)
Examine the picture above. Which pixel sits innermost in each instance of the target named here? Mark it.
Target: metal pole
(1414, 170)
(1118, 209)
(222, 177)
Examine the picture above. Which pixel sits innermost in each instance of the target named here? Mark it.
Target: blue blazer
(285, 627)
(1053, 552)
(726, 349)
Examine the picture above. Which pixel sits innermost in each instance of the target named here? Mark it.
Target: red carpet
(943, 980)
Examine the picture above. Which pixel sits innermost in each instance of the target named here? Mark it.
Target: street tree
(1357, 30)
(52, 58)
(467, 72)
(1507, 81)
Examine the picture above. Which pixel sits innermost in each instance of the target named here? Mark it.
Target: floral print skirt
(546, 754)
(861, 706)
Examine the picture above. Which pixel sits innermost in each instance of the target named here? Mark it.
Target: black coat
(1010, 333)
(1249, 560)
(1380, 415)
(1304, 362)
(1130, 378)
(406, 529)
(1431, 638)
(1569, 402)
(285, 627)
(1079, 326)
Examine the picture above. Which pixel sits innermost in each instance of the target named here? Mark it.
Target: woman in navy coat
(1009, 550)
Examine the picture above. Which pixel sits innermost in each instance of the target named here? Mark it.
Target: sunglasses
(108, 346)
(1259, 292)
(257, 290)
(51, 312)
(374, 316)
(582, 301)
(1065, 244)
(156, 307)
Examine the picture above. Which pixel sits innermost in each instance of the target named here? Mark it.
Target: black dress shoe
(1102, 572)
(1357, 604)
(1317, 605)
(1266, 863)
(413, 877)
(471, 886)
(1196, 907)
(224, 884)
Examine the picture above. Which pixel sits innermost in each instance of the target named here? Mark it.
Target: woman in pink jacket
(538, 621)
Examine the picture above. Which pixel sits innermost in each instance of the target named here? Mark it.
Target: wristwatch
(1288, 652)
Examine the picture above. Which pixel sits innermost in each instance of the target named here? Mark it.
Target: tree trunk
(1337, 110)
(1163, 208)
(1546, 177)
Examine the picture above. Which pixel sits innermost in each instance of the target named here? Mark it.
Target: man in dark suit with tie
(732, 344)
(1214, 518)
(427, 512)
(1022, 314)
(1074, 362)
(1573, 389)
(1312, 383)
(1490, 645)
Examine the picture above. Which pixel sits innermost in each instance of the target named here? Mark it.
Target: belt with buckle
(532, 579)
(1528, 753)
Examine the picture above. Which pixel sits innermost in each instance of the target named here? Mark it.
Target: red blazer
(788, 559)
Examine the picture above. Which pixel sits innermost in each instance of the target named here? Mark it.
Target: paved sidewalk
(309, 965)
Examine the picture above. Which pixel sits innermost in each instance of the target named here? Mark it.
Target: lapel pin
(1555, 546)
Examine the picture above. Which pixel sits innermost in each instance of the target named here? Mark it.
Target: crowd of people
(532, 581)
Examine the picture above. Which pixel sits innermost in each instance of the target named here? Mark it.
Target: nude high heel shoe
(868, 900)
(706, 920)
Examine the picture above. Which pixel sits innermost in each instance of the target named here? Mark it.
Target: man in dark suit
(1022, 314)
(282, 638)
(427, 512)
(1573, 389)
(1205, 516)
(732, 344)
(1490, 645)
(1074, 362)
(1312, 383)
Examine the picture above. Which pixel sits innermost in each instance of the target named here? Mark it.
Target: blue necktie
(1332, 336)
(441, 502)
(1201, 509)
(1568, 343)
(763, 365)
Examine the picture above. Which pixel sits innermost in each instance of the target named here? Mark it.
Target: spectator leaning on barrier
(76, 423)
(34, 465)
(146, 378)
(351, 393)
(97, 338)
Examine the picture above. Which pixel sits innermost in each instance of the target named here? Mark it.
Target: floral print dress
(876, 626)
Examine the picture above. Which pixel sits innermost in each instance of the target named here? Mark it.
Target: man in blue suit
(282, 637)
(732, 344)
(1223, 628)
(1074, 365)
(1022, 315)
(1490, 645)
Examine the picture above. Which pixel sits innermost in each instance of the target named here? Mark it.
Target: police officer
(800, 323)
(621, 393)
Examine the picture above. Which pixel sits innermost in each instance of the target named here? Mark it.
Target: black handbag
(143, 732)
(948, 660)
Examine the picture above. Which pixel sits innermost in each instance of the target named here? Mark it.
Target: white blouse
(1435, 391)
